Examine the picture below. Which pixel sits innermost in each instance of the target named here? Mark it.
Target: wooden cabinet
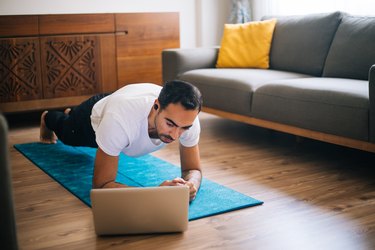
(55, 61)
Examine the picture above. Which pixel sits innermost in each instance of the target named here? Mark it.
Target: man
(136, 120)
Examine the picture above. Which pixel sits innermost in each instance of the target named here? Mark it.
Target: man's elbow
(100, 183)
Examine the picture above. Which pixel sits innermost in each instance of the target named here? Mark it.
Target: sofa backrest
(352, 52)
(301, 43)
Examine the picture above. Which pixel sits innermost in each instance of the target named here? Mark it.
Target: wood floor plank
(317, 195)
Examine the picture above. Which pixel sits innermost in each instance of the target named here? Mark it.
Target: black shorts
(75, 128)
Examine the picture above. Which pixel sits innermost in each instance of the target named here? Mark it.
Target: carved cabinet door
(20, 73)
(70, 65)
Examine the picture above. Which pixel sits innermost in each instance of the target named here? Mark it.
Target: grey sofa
(320, 84)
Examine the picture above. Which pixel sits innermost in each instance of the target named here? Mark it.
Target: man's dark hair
(177, 91)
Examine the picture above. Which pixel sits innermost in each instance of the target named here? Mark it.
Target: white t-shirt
(120, 122)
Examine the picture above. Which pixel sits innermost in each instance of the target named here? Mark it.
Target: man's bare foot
(67, 111)
(46, 135)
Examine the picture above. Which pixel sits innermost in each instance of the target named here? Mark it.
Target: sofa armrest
(8, 228)
(372, 103)
(177, 61)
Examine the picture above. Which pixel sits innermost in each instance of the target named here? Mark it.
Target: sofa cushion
(246, 45)
(300, 44)
(352, 52)
(330, 105)
(231, 89)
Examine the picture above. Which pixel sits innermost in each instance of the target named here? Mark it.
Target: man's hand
(175, 182)
(193, 190)
(181, 182)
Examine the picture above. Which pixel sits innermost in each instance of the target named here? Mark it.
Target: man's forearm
(111, 184)
(193, 176)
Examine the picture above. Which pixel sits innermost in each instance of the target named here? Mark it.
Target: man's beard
(155, 135)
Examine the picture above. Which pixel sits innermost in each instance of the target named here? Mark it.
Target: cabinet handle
(125, 32)
(122, 33)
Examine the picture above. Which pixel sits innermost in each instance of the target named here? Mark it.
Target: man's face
(172, 121)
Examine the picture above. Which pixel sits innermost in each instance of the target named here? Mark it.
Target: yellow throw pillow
(246, 45)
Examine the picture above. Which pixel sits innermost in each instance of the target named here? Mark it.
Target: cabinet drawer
(18, 26)
(76, 24)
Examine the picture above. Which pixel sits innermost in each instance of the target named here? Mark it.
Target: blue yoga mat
(73, 167)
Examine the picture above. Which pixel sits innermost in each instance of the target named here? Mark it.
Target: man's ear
(156, 105)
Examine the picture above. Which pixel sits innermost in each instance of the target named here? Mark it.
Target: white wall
(211, 17)
(298, 7)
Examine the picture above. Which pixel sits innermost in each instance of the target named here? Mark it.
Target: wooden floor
(316, 195)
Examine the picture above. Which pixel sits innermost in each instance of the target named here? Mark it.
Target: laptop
(140, 210)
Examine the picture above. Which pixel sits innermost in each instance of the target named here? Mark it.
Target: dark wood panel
(144, 21)
(140, 39)
(108, 66)
(143, 46)
(140, 34)
(18, 26)
(76, 23)
(42, 104)
(139, 69)
(20, 69)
